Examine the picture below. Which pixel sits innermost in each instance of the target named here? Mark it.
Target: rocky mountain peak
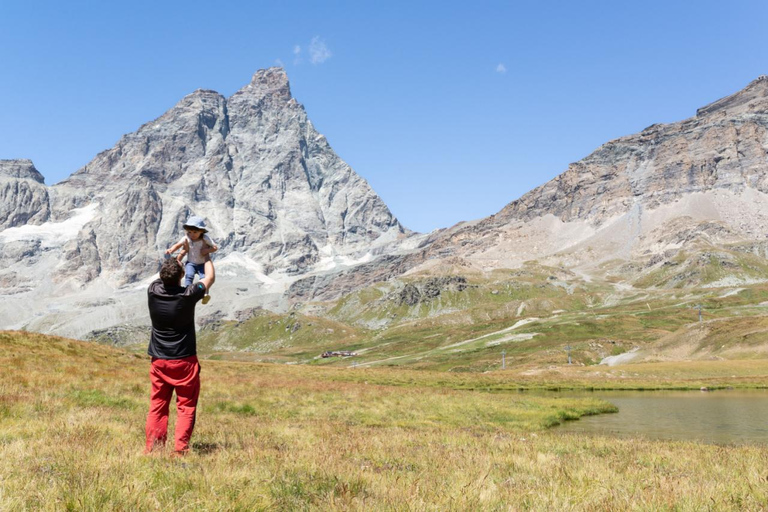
(271, 82)
(21, 168)
(23, 195)
(753, 98)
(276, 197)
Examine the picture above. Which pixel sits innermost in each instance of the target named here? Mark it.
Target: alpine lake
(719, 417)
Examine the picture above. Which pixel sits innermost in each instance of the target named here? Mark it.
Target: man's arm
(210, 275)
(208, 246)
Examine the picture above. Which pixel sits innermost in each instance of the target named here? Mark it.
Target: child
(196, 245)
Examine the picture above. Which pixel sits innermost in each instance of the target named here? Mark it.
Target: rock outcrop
(23, 194)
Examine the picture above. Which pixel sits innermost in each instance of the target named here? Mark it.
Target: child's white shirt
(195, 246)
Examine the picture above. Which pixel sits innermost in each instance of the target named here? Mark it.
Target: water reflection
(722, 417)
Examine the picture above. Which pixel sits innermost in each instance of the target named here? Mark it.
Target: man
(173, 348)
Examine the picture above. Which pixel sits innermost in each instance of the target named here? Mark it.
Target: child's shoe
(206, 299)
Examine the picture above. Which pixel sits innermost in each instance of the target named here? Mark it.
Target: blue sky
(450, 110)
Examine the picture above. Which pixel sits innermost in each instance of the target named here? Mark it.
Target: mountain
(639, 199)
(277, 199)
(652, 248)
(679, 205)
(638, 196)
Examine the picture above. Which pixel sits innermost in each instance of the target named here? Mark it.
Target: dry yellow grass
(272, 437)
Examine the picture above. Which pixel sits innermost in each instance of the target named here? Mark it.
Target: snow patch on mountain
(52, 234)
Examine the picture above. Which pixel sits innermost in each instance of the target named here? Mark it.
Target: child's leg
(200, 270)
(189, 276)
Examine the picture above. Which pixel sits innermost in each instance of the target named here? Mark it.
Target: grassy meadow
(464, 323)
(288, 437)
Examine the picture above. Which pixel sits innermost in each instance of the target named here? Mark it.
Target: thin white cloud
(318, 51)
(501, 68)
(296, 55)
(279, 62)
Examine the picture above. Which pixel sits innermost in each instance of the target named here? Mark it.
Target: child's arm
(175, 247)
(184, 250)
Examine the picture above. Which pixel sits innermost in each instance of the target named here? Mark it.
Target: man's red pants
(183, 375)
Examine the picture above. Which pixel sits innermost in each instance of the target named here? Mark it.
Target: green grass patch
(300, 437)
(98, 398)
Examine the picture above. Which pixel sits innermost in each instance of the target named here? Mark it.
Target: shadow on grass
(207, 448)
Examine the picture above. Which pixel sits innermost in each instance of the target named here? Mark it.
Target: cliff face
(23, 194)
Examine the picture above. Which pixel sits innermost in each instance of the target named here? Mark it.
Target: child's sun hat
(196, 222)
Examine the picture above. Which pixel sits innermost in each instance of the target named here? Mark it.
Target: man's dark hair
(171, 272)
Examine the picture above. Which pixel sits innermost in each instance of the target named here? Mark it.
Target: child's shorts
(192, 269)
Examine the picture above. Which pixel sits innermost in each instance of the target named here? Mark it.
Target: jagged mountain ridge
(640, 197)
(723, 146)
(278, 200)
(711, 167)
(268, 183)
(247, 164)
